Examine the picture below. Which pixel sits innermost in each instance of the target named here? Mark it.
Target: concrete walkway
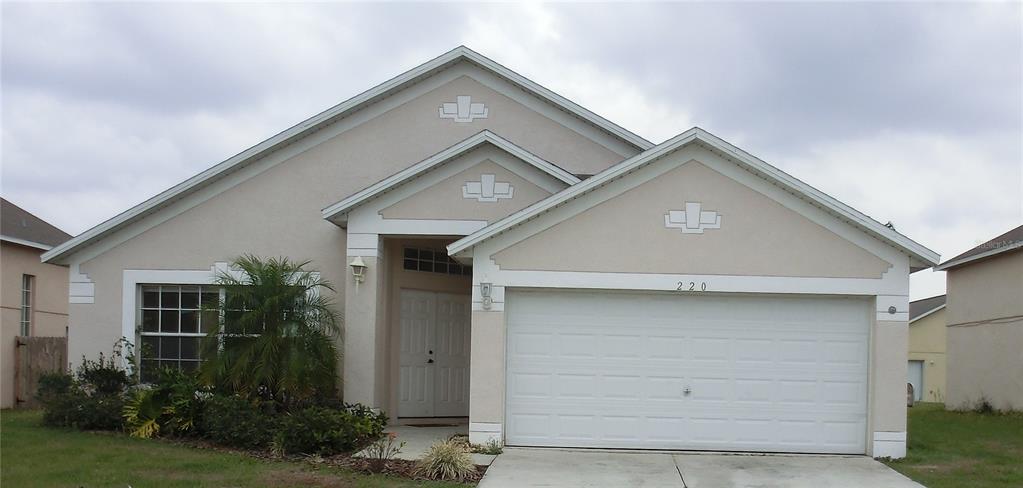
(521, 467)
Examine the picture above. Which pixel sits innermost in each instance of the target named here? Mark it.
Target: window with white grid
(173, 321)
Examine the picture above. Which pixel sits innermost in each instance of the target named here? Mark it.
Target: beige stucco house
(926, 366)
(687, 295)
(33, 294)
(985, 324)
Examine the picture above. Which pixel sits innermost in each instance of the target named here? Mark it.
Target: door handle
(686, 391)
(430, 361)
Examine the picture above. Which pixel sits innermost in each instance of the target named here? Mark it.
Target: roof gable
(334, 114)
(1005, 242)
(921, 257)
(338, 212)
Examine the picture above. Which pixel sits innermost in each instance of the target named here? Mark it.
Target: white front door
(434, 363)
(670, 371)
(916, 378)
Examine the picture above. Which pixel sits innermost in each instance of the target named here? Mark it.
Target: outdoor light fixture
(485, 289)
(358, 269)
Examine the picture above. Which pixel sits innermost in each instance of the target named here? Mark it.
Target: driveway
(521, 468)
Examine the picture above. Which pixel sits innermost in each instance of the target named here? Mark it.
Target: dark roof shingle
(1013, 238)
(925, 305)
(18, 223)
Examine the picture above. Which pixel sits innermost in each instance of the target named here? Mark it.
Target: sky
(909, 112)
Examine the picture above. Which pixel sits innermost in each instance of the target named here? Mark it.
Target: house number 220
(691, 286)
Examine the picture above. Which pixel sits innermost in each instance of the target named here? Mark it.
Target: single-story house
(927, 349)
(33, 294)
(505, 255)
(985, 324)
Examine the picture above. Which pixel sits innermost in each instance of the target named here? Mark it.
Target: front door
(916, 378)
(434, 363)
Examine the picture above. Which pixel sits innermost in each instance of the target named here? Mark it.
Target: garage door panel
(608, 370)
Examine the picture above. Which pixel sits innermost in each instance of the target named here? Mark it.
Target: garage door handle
(686, 391)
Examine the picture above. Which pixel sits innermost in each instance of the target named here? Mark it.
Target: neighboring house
(33, 294)
(686, 296)
(985, 324)
(927, 349)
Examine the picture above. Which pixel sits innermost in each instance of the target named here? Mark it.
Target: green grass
(953, 449)
(34, 455)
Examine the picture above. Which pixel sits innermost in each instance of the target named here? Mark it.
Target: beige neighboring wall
(758, 236)
(985, 360)
(277, 212)
(927, 344)
(444, 200)
(50, 306)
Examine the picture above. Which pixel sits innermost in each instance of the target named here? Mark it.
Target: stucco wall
(50, 306)
(445, 200)
(758, 236)
(277, 212)
(927, 344)
(985, 360)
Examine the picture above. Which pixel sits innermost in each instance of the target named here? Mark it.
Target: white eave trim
(929, 312)
(752, 163)
(338, 211)
(986, 254)
(325, 117)
(26, 243)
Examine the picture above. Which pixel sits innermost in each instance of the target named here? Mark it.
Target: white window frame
(27, 310)
(141, 308)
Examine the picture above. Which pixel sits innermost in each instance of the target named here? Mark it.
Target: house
(927, 349)
(33, 294)
(985, 324)
(687, 295)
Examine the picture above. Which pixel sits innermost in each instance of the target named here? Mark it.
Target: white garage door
(670, 371)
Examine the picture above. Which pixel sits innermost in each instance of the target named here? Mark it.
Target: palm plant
(276, 337)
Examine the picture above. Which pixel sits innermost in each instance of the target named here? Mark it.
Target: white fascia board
(26, 243)
(752, 163)
(323, 118)
(929, 312)
(337, 212)
(986, 254)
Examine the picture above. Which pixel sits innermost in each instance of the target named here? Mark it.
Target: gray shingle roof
(1009, 240)
(18, 223)
(925, 305)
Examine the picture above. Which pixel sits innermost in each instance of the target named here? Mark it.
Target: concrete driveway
(521, 468)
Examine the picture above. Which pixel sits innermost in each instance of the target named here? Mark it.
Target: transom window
(27, 284)
(174, 319)
(434, 261)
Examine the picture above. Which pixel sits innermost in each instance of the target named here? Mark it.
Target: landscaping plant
(276, 341)
(382, 450)
(447, 460)
(173, 404)
(328, 431)
(90, 399)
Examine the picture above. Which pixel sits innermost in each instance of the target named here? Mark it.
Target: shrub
(447, 460)
(492, 447)
(328, 431)
(382, 450)
(91, 399)
(172, 405)
(236, 422)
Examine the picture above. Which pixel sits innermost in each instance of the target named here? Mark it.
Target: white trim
(81, 288)
(889, 445)
(927, 313)
(481, 433)
(986, 254)
(344, 109)
(132, 278)
(26, 243)
(337, 211)
(744, 160)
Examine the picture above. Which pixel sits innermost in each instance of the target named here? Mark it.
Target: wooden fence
(34, 356)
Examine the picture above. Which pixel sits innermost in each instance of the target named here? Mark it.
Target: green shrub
(171, 405)
(447, 460)
(91, 399)
(236, 422)
(328, 431)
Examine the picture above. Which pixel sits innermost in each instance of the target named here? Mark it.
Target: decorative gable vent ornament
(463, 110)
(692, 220)
(487, 189)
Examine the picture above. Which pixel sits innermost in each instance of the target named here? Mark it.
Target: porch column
(486, 376)
(365, 339)
(889, 346)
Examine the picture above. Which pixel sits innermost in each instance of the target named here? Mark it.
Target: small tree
(275, 339)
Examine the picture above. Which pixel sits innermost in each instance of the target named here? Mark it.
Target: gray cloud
(910, 112)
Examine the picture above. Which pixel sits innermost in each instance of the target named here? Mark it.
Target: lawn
(951, 449)
(34, 455)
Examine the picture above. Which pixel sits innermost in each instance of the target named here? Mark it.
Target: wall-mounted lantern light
(358, 269)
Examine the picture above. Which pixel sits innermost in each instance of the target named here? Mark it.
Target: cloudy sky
(911, 113)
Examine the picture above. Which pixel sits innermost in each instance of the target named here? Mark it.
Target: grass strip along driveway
(963, 449)
(34, 455)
